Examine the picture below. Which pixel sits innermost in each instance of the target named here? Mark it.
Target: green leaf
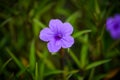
(5, 64)
(84, 52)
(3, 41)
(92, 72)
(42, 66)
(53, 72)
(5, 22)
(99, 77)
(97, 9)
(37, 25)
(41, 70)
(59, 8)
(73, 17)
(20, 65)
(36, 71)
(43, 10)
(80, 33)
(97, 63)
(71, 73)
(32, 55)
(45, 60)
(21, 72)
(74, 57)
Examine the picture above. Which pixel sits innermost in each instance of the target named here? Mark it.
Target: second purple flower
(58, 35)
(113, 26)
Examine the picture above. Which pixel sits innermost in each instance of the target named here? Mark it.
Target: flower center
(58, 36)
(116, 26)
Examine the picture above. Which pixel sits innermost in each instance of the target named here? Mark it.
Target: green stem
(36, 71)
(62, 63)
(113, 45)
(81, 78)
(91, 74)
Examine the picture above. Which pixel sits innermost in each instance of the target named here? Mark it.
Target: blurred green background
(23, 56)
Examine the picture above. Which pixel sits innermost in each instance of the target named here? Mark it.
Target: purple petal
(55, 25)
(67, 28)
(110, 24)
(114, 35)
(117, 17)
(54, 46)
(46, 34)
(67, 41)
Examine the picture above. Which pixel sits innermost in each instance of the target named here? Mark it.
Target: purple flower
(58, 35)
(113, 26)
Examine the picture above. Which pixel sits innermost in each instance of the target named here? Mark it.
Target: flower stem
(91, 74)
(62, 63)
(113, 45)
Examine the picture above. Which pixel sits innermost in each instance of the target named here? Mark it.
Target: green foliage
(32, 57)
(5, 64)
(23, 56)
(75, 58)
(97, 63)
(84, 52)
(15, 59)
(36, 72)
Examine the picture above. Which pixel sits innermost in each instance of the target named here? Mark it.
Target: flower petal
(115, 34)
(67, 41)
(110, 23)
(54, 46)
(46, 34)
(117, 17)
(67, 28)
(55, 25)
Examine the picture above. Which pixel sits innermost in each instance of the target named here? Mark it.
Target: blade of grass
(71, 73)
(5, 22)
(73, 17)
(81, 33)
(3, 41)
(53, 72)
(84, 51)
(5, 64)
(74, 58)
(36, 71)
(39, 23)
(97, 8)
(32, 55)
(97, 63)
(46, 60)
(42, 67)
(43, 10)
(91, 74)
(20, 65)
